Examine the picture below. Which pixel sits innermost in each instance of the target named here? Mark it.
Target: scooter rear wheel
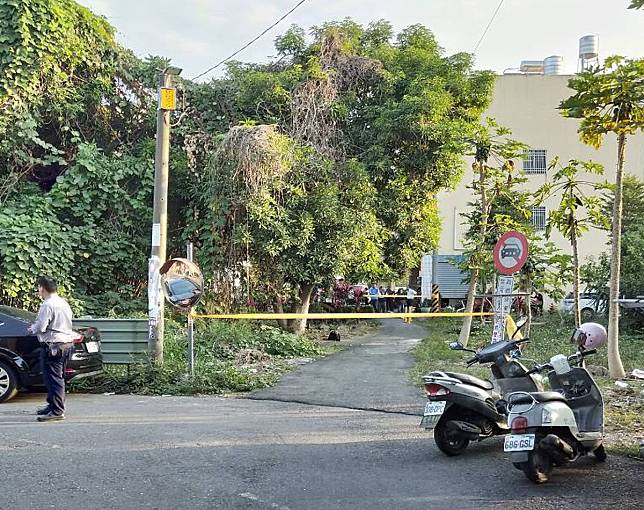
(448, 442)
(538, 467)
(600, 453)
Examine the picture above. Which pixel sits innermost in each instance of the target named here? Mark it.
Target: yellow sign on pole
(168, 98)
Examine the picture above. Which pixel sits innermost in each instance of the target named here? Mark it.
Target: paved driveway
(324, 452)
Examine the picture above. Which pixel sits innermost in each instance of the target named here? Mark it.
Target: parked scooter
(462, 408)
(555, 427)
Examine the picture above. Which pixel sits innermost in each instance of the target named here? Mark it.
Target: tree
(489, 184)
(636, 4)
(610, 99)
(287, 212)
(395, 110)
(576, 196)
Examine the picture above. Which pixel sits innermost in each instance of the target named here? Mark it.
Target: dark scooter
(462, 408)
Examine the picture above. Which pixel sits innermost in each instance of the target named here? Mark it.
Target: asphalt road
(125, 452)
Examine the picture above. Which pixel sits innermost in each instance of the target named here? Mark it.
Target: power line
(250, 42)
(498, 8)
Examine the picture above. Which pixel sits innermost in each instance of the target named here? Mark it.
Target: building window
(534, 161)
(539, 218)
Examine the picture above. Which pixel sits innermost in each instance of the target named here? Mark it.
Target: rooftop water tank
(532, 66)
(553, 65)
(589, 47)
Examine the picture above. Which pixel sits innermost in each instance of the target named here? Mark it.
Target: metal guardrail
(123, 341)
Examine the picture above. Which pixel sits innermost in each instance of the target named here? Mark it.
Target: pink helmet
(590, 336)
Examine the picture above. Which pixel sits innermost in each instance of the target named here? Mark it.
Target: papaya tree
(579, 208)
(610, 99)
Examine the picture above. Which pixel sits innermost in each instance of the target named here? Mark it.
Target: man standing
(53, 327)
(374, 294)
(411, 296)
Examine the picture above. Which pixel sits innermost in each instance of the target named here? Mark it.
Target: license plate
(434, 408)
(91, 346)
(518, 442)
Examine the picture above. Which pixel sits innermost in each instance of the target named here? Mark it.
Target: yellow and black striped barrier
(436, 298)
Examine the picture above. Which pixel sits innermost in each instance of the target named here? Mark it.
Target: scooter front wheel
(449, 442)
(538, 467)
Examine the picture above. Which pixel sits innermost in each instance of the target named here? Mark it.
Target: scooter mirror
(456, 346)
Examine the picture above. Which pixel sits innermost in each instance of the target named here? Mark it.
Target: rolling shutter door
(450, 278)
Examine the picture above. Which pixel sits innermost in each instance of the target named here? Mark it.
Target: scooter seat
(542, 396)
(470, 379)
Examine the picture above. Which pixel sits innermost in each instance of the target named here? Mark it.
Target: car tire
(587, 314)
(8, 382)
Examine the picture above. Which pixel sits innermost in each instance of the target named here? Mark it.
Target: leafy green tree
(636, 4)
(395, 103)
(488, 186)
(33, 242)
(63, 76)
(608, 99)
(292, 215)
(580, 208)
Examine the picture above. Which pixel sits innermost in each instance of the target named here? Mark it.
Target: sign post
(510, 254)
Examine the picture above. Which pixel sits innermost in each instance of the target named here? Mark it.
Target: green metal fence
(123, 340)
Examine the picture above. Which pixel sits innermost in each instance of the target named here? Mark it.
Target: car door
(22, 348)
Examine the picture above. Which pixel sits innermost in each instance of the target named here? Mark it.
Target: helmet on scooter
(590, 336)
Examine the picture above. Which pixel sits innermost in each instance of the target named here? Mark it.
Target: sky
(196, 34)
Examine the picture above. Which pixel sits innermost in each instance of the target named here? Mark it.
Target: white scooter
(554, 427)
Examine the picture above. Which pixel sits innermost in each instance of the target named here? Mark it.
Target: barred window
(539, 217)
(534, 161)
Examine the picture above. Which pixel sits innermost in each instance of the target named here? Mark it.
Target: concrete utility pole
(167, 103)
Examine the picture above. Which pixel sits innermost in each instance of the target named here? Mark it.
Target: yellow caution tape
(332, 316)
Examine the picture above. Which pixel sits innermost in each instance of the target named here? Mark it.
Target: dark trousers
(53, 369)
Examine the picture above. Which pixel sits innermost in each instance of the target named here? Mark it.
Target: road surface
(336, 434)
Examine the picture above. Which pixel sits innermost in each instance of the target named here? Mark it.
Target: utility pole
(167, 103)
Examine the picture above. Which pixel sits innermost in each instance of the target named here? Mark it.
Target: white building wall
(527, 105)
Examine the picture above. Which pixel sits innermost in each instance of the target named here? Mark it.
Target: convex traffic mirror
(182, 283)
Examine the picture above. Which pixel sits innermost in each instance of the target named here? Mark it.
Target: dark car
(182, 291)
(20, 354)
(510, 250)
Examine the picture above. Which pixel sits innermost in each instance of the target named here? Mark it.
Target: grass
(229, 357)
(624, 409)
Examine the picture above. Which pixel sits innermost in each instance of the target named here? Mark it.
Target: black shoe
(41, 411)
(51, 417)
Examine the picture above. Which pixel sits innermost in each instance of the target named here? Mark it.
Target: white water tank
(532, 66)
(589, 47)
(553, 65)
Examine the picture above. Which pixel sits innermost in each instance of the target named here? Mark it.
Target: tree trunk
(528, 299)
(279, 306)
(469, 306)
(298, 326)
(615, 367)
(575, 268)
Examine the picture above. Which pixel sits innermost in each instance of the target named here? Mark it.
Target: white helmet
(590, 336)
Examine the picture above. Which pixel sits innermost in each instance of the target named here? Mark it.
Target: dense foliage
(363, 127)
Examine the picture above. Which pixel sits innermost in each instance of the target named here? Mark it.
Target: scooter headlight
(546, 415)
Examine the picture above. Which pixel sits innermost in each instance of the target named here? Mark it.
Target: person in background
(53, 327)
(390, 300)
(374, 294)
(402, 300)
(411, 295)
(382, 301)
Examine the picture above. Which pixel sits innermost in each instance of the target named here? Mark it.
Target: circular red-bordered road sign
(510, 252)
